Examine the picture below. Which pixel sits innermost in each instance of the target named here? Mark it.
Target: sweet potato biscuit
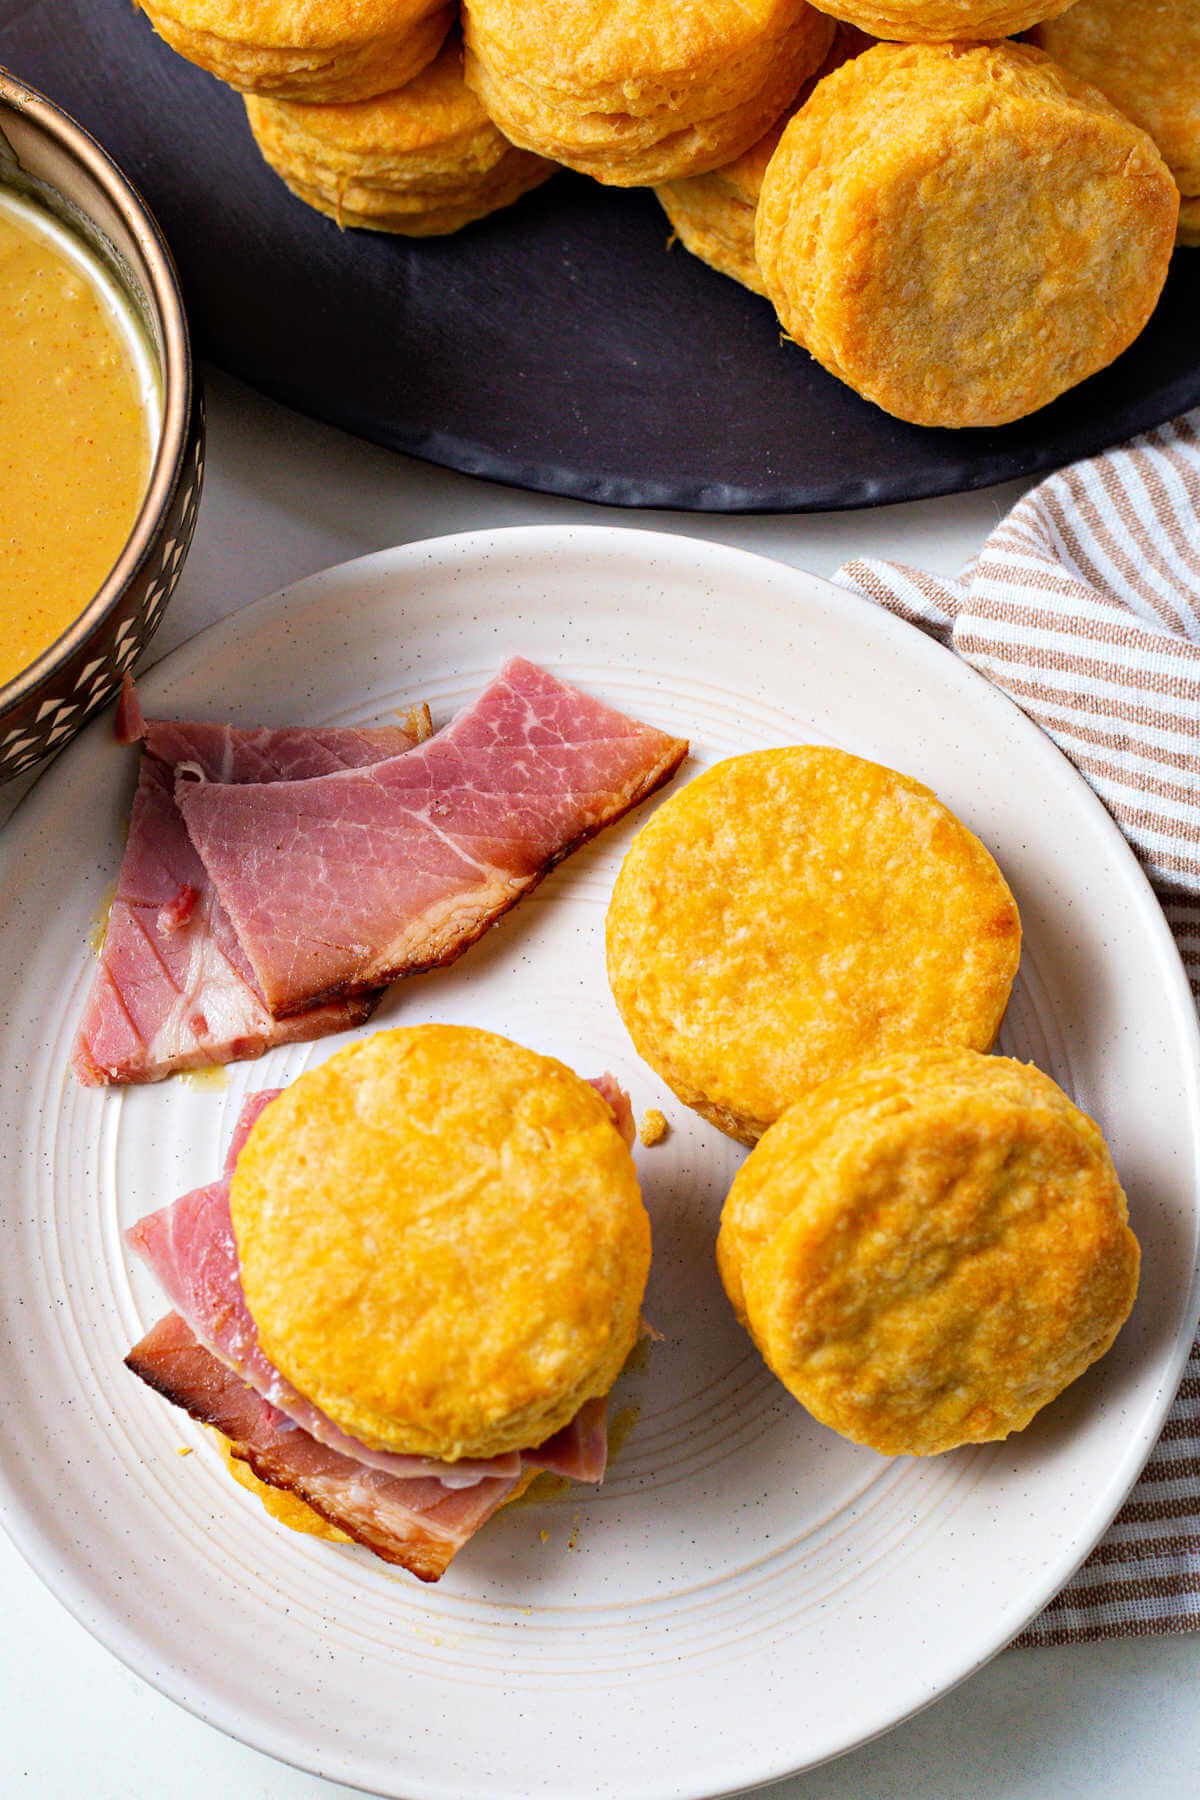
(442, 1241)
(792, 912)
(320, 50)
(939, 21)
(1146, 58)
(929, 1250)
(423, 160)
(713, 214)
(963, 232)
(633, 93)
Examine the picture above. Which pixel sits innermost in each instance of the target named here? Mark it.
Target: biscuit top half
(442, 1241)
(569, 44)
(791, 912)
(295, 24)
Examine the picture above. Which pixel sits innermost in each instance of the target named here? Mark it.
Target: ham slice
(419, 1524)
(174, 989)
(339, 884)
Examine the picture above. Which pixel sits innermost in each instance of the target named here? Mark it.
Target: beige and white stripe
(1084, 606)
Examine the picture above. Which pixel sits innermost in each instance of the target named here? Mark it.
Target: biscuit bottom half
(929, 1249)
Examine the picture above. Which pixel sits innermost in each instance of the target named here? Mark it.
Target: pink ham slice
(419, 1524)
(340, 884)
(174, 989)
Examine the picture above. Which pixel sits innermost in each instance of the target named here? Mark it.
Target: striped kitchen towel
(1084, 606)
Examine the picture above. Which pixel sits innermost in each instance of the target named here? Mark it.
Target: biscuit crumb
(183, 1449)
(653, 1128)
(416, 720)
(545, 1536)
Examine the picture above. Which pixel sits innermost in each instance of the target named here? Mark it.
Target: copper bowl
(45, 156)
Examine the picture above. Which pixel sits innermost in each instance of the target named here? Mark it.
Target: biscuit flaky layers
(320, 50)
(792, 912)
(713, 214)
(929, 1249)
(962, 232)
(939, 21)
(423, 160)
(631, 93)
(1146, 58)
(442, 1242)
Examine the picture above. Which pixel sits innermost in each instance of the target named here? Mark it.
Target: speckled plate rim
(625, 552)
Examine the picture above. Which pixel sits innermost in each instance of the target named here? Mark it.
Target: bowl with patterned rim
(50, 160)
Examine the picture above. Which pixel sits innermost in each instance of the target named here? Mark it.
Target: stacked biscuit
(360, 106)
(927, 1243)
(959, 226)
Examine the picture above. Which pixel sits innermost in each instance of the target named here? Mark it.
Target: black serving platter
(560, 345)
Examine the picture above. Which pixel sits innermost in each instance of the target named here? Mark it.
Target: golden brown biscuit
(1146, 58)
(442, 1242)
(792, 912)
(928, 1250)
(635, 93)
(713, 214)
(963, 232)
(319, 50)
(939, 21)
(423, 160)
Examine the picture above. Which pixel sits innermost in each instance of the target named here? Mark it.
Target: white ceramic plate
(746, 1594)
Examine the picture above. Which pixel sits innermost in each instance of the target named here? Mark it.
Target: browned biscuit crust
(305, 49)
(963, 232)
(1146, 58)
(633, 95)
(928, 1249)
(713, 214)
(940, 21)
(423, 160)
(792, 912)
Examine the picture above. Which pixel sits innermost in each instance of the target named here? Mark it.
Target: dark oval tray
(559, 345)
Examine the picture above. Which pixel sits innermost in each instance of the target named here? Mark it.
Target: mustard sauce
(78, 406)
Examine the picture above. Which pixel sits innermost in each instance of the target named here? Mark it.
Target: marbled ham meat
(174, 989)
(418, 1524)
(339, 884)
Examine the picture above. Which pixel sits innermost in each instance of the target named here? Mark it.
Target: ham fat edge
(205, 1357)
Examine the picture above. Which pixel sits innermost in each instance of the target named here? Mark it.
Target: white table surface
(283, 498)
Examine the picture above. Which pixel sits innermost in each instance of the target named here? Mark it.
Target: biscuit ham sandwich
(412, 1289)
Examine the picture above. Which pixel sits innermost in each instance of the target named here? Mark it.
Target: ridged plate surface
(746, 1594)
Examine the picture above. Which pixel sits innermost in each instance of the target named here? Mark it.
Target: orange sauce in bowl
(78, 425)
